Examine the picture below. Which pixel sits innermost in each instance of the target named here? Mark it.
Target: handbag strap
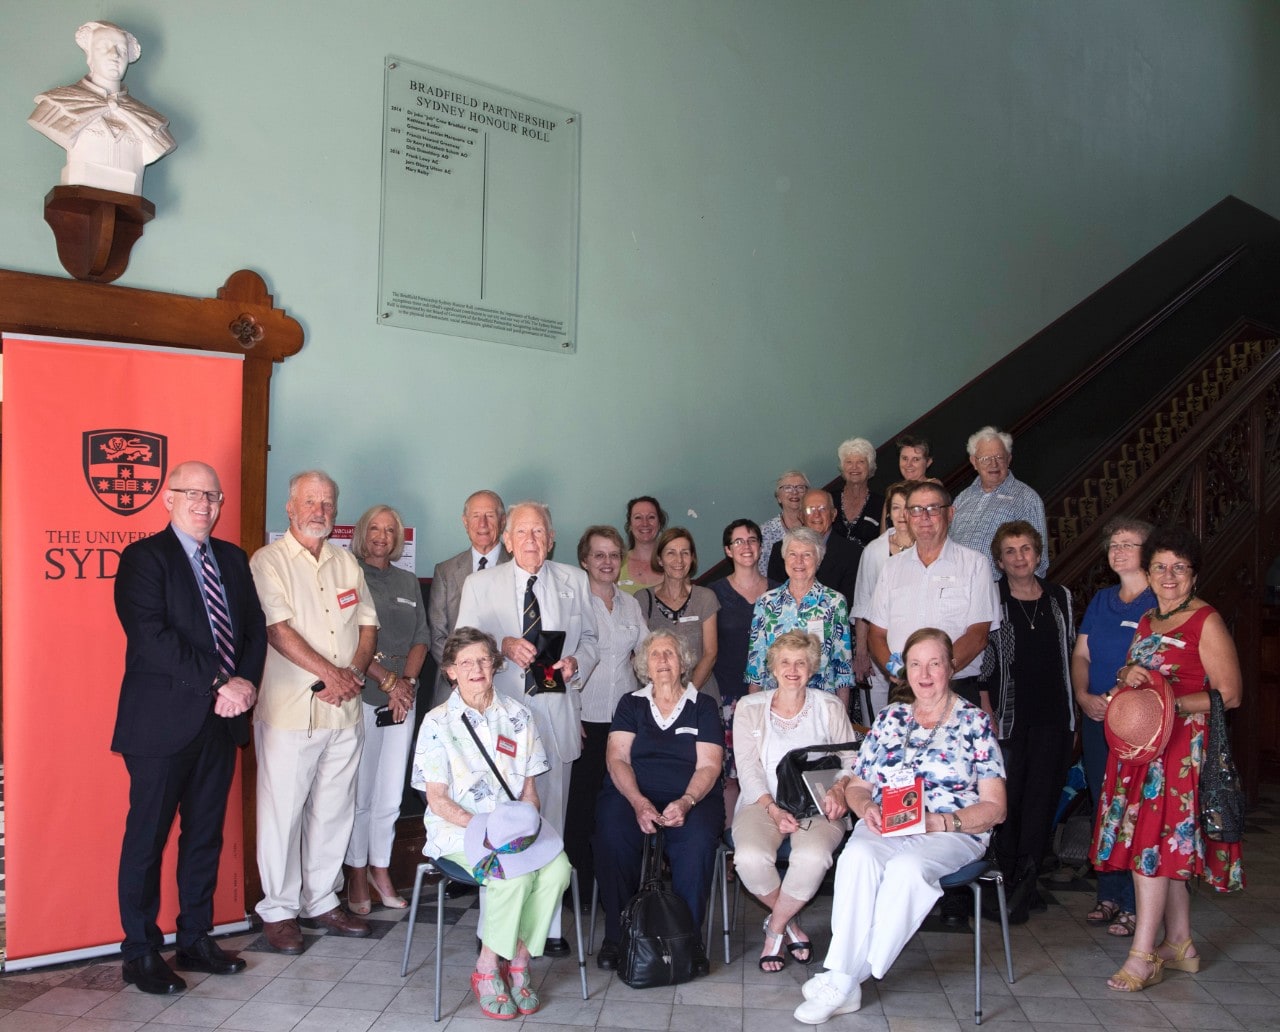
(488, 759)
(651, 864)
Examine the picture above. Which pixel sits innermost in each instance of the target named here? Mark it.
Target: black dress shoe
(556, 948)
(206, 955)
(152, 975)
(607, 957)
(456, 889)
(701, 967)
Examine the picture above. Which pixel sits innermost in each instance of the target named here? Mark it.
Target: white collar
(690, 696)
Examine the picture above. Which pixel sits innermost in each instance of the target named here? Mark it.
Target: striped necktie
(531, 625)
(215, 602)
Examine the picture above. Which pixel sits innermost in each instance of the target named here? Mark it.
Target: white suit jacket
(442, 608)
(490, 603)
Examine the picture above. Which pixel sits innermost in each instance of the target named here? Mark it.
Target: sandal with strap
(1124, 925)
(1131, 983)
(797, 945)
(1180, 961)
(495, 1002)
(1103, 912)
(522, 991)
(773, 943)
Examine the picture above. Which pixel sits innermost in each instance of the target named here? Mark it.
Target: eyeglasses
(192, 495)
(1122, 546)
(467, 665)
(793, 488)
(919, 512)
(744, 542)
(602, 556)
(991, 460)
(815, 510)
(1177, 569)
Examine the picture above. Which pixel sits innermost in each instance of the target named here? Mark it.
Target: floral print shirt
(962, 753)
(823, 613)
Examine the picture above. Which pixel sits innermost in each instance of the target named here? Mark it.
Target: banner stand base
(106, 950)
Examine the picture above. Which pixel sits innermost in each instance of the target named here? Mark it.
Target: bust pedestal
(95, 229)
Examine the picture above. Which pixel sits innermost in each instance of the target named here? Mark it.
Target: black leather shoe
(701, 967)
(152, 975)
(457, 889)
(607, 957)
(556, 948)
(206, 955)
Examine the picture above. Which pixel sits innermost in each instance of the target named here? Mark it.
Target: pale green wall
(800, 221)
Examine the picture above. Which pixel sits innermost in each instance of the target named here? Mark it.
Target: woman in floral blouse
(886, 885)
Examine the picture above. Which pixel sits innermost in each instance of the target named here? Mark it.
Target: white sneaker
(824, 1000)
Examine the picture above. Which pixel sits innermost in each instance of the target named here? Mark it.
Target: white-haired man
(996, 496)
(513, 602)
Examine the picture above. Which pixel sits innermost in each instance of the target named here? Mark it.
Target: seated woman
(665, 754)
(885, 886)
(462, 792)
(766, 727)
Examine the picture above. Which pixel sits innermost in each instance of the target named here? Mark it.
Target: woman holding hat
(1148, 813)
(486, 821)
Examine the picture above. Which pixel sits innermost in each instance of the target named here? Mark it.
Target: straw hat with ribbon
(1139, 720)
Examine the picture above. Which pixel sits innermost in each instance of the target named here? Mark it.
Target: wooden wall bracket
(95, 229)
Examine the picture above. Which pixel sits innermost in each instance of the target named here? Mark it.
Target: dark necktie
(531, 625)
(215, 602)
(484, 561)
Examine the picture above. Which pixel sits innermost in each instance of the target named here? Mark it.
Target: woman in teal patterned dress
(1148, 815)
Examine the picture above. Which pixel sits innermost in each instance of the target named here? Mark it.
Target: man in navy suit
(196, 642)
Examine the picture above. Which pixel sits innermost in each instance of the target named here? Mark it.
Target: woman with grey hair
(789, 491)
(390, 688)
(664, 757)
(861, 510)
(801, 602)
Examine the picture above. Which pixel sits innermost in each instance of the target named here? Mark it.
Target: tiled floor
(353, 985)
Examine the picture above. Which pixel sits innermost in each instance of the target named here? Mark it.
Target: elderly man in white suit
(493, 600)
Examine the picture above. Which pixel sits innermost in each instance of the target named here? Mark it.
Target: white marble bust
(109, 137)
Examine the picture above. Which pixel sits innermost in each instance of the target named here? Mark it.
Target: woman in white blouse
(766, 726)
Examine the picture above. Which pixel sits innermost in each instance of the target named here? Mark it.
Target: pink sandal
(495, 1001)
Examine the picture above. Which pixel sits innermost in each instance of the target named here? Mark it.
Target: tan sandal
(1180, 961)
(1131, 983)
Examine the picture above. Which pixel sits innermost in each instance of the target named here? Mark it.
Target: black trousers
(584, 787)
(1036, 761)
(192, 784)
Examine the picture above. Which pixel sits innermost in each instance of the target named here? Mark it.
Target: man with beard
(322, 628)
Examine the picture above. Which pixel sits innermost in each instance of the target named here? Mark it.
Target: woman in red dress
(1148, 815)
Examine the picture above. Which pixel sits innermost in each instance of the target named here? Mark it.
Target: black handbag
(1221, 794)
(660, 945)
(793, 794)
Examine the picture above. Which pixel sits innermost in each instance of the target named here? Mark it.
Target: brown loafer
(339, 921)
(283, 936)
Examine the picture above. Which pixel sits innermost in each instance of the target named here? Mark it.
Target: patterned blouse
(823, 613)
(447, 755)
(962, 753)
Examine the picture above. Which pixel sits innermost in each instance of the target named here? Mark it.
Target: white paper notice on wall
(479, 211)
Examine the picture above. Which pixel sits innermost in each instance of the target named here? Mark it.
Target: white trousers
(884, 889)
(306, 806)
(379, 789)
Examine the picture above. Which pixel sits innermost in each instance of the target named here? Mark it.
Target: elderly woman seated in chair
(766, 726)
(476, 759)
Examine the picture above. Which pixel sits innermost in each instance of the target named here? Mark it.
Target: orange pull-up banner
(90, 433)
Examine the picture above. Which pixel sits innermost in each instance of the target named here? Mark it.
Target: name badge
(686, 730)
(1129, 623)
(814, 627)
(406, 601)
(506, 746)
(687, 619)
(1173, 641)
(348, 598)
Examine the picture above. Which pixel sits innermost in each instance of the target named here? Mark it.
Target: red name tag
(506, 746)
(348, 599)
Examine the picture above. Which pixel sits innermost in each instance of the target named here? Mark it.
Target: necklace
(933, 733)
(1035, 611)
(1173, 612)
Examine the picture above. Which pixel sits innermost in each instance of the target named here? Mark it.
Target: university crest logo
(125, 469)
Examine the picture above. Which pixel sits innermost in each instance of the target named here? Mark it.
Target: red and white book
(902, 807)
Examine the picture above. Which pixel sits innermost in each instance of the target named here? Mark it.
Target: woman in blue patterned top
(886, 886)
